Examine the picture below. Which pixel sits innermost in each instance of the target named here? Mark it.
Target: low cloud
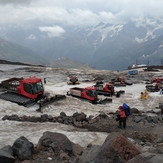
(31, 37)
(15, 2)
(54, 31)
(76, 12)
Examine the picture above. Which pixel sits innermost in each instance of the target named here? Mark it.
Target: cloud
(15, 2)
(76, 12)
(54, 31)
(31, 37)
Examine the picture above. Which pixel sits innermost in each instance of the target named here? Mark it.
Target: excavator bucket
(103, 101)
(47, 101)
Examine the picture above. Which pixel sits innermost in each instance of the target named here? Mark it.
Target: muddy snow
(57, 84)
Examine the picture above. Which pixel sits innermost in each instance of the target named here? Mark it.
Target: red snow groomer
(155, 84)
(157, 80)
(27, 92)
(107, 89)
(88, 93)
(120, 81)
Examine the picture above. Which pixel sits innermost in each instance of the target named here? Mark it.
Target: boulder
(116, 148)
(58, 142)
(6, 155)
(23, 149)
(81, 117)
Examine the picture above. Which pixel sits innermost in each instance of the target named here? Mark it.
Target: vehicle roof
(32, 79)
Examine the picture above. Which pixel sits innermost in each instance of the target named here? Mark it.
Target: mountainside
(105, 46)
(68, 63)
(149, 53)
(11, 53)
(16, 53)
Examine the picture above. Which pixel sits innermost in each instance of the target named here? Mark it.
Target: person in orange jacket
(122, 117)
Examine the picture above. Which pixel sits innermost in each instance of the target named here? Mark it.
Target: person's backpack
(127, 110)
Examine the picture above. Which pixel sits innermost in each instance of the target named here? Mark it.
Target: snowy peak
(95, 45)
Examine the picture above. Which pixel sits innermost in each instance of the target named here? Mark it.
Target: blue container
(133, 72)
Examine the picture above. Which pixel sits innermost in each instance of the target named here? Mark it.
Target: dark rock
(63, 114)
(24, 118)
(89, 154)
(44, 118)
(34, 119)
(70, 119)
(55, 146)
(6, 155)
(81, 117)
(149, 119)
(77, 149)
(23, 149)
(138, 159)
(135, 111)
(66, 120)
(59, 119)
(27, 161)
(84, 123)
(56, 141)
(116, 149)
(75, 114)
(5, 118)
(8, 149)
(137, 119)
(13, 117)
(50, 118)
(64, 156)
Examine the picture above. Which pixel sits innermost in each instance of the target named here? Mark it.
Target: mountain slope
(149, 53)
(16, 53)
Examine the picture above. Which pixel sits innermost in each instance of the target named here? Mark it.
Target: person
(144, 95)
(122, 120)
(161, 92)
(44, 80)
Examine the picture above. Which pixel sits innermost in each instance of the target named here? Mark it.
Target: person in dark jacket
(122, 120)
(44, 80)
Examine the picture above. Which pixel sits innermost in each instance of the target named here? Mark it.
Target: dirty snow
(11, 130)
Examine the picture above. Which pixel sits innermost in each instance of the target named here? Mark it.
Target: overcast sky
(78, 12)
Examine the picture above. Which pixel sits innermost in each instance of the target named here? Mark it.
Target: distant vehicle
(89, 93)
(155, 87)
(73, 80)
(133, 72)
(107, 89)
(157, 80)
(155, 84)
(120, 81)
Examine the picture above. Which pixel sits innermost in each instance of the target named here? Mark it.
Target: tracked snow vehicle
(155, 87)
(155, 84)
(120, 81)
(107, 89)
(89, 94)
(73, 80)
(27, 92)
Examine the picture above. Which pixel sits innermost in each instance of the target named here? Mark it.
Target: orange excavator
(27, 92)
